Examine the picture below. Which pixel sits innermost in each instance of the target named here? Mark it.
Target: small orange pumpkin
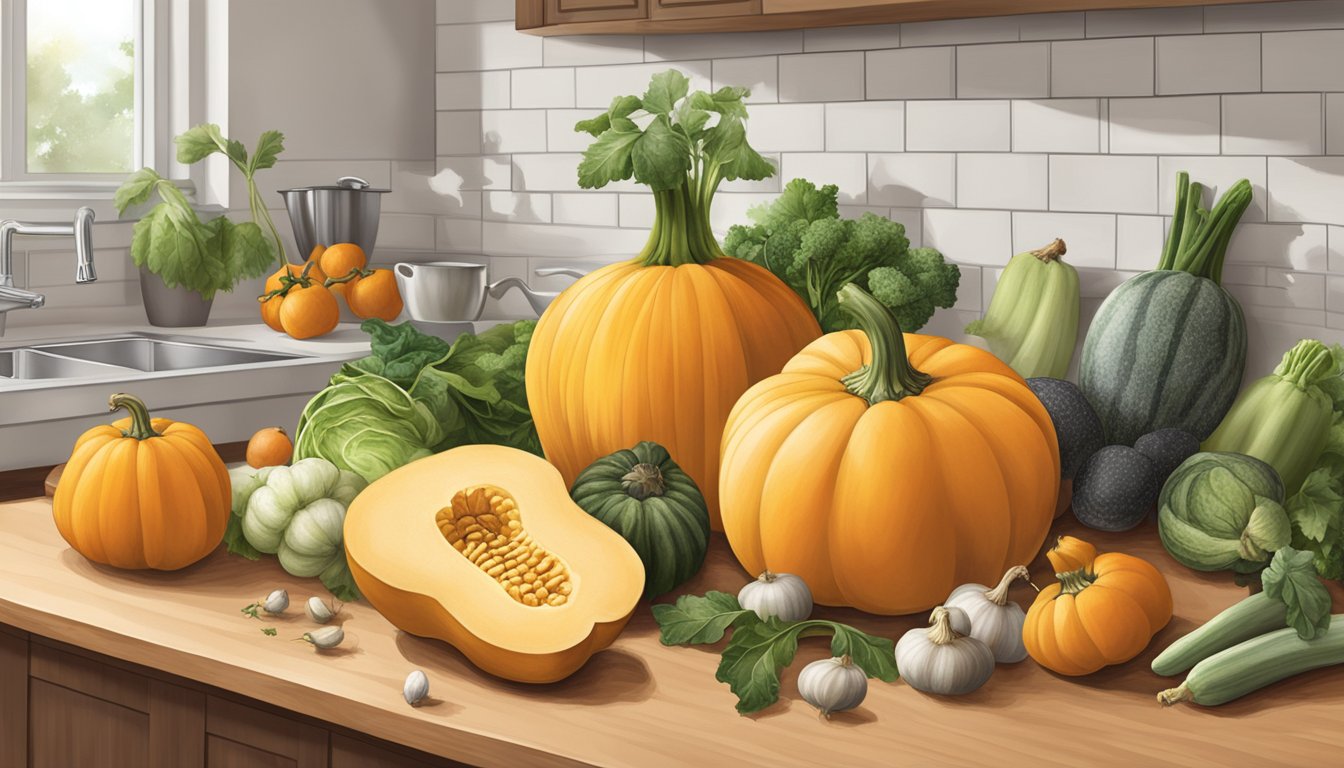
(1101, 614)
(269, 447)
(143, 493)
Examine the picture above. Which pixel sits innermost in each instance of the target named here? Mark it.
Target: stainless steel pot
(447, 291)
(346, 212)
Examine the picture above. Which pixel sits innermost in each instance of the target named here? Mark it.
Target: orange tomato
(340, 260)
(269, 447)
(294, 270)
(374, 295)
(270, 313)
(309, 310)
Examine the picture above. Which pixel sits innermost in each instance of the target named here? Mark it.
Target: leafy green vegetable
(1291, 578)
(171, 240)
(400, 352)
(758, 649)
(802, 239)
(690, 143)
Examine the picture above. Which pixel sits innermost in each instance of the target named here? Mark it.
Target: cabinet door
(241, 737)
(569, 11)
(347, 752)
(85, 712)
(13, 698)
(703, 9)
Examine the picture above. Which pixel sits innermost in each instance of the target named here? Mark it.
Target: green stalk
(1198, 240)
(681, 232)
(1177, 222)
(890, 376)
(141, 426)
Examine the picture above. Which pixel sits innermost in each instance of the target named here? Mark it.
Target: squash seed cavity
(484, 524)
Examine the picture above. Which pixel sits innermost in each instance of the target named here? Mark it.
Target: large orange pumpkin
(886, 481)
(644, 350)
(143, 493)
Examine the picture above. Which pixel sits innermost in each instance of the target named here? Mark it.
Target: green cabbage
(1223, 511)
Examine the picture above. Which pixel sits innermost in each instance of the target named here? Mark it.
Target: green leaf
(399, 351)
(665, 90)
(876, 656)
(269, 147)
(236, 542)
(661, 156)
(246, 249)
(727, 101)
(1291, 578)
(1317, 506)
(608, 159)
(700, 620)
(726, 144)
(624, 106)
(137, 189)
(691, 120)
(198, 143)
(594, 125)
(753, 659)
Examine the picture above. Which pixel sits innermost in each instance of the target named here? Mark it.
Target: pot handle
(352, 182)
(567, 271)
(537, 299)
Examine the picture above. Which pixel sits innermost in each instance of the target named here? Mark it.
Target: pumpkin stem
(1051, 252)
(1073, 582)
(141, 427)
(940, 627)
(643, 481)
(890, 376)
(999, 594)
(681, 233)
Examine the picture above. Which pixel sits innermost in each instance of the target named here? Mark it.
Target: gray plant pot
(172, 307)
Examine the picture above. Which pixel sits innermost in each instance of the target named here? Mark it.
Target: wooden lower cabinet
(61, 707)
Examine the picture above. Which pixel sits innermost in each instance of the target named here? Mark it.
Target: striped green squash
(1168, 348)
(645, 497)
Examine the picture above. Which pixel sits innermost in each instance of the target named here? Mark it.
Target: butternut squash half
(482, 548)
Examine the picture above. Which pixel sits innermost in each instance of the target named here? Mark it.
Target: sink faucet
(81, 230)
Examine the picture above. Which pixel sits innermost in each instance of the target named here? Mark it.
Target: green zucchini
(1249, 618)
(1254, 664)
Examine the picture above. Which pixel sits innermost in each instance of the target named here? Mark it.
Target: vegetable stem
(940, 627)
(681, 233)
(999, 594)
(1175, 695)
(141, 426)
(890, 376)
(1198, 240)
(1073, 582)
(1051, 252)
(643, 481)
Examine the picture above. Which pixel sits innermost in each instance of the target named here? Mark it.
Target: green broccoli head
(920, 283)
(746, 243)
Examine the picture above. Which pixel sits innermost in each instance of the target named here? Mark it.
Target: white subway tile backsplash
(1335, 243)
(597, 86)
(1103, 184)
(1286, 246)
(516, 206)
(553, 172)
(1003, 70)
(497, 45)
(1145, 21)
(1165, 125)
(1266, 17)
(1114, 67)
(413, 191)
(994, 29)
(1306, 189)
(516, 130)
(1334, 294)
(1090, 238)
(734, 208)
(636, 211)
(721, 45)
(1334, 123)
(533, 88)
(968, 290)
(560, 133)
(1273, 124)
(916, 73)
(1138, 242)
(1303, 61)
(821, 77)
(958, 126)
(994, 180)
(472, 173)
(913, 221)
(869, 126)
(971, 237)
(600, 243)
(1303, 291)
(458, 133)
(457, 235)
(1216, 174)
(1056, 125)
(1208, 64)
(464, 11)
(864, 38)
(847, 170)
(1051, 26)
(589, 209)
(758, 73)
(787, 127)
(912, 180)
(590, 50)
(1243, 274)
(472, 90)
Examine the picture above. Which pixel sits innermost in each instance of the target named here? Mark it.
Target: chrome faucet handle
(82, 229)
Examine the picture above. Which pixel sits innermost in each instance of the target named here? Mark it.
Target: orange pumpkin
(885, 481)
(143, 493)
(269, 447)
(1071, 553)
(657, 349)
(1098, 615)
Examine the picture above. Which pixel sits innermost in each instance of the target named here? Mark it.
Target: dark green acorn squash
(645, 497)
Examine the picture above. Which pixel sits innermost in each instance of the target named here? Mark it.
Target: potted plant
(184, 261)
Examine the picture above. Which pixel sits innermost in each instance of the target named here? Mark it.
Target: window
(76, 91)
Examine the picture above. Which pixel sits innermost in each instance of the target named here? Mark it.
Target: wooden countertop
(643, 704)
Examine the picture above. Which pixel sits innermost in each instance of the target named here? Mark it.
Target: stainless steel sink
(151, 354)
(33, 364)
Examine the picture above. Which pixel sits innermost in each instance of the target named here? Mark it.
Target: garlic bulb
(781, 595)
(995, 620)
(416, 688)
(833, 685)
(276, 602)
(319, 611)
(944, 659)
(325, 638)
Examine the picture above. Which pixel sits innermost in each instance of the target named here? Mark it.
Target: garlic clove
(780, 595)
(325, 638)
(833, 685)
(276, 603)
(319, 611)
(416, 688)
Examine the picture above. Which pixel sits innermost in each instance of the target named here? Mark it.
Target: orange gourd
(658, 349)
(1097, 615)
(1071, 553)
(369, 293)
(887, 469)
(342, 259)
(301, 306)
(269, 447)
(143, 493)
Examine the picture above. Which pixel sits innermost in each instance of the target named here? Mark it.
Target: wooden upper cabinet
(702, 9)
(571, 11)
